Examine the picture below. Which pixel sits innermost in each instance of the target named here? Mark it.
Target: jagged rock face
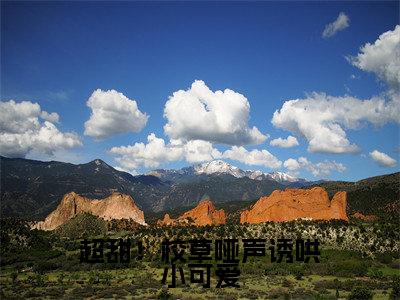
(203, 214)
(116, 206)
(293, 204)
(166, 221)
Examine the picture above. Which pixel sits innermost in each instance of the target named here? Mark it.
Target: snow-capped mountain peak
(221, 167)
(280, 176)
(218, 166)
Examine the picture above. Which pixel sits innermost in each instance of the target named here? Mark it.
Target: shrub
(164, 294)
(14, 276)
(349, 268)
(107, 278)
(376, 273)
(94, 278)
(82, 226)
(395, 294)
(60, 278)
(385, 258)
(395, 264)
(44, 266)
(298, 274)
(37, 280)
(360, 293)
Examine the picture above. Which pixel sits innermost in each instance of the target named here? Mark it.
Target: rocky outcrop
(116, 206)
(203, 214)
(293, 204)
(166, 221)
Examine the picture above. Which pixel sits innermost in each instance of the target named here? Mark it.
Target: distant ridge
(220, 167)
(32, 189)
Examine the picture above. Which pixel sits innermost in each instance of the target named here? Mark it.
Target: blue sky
(58, 54)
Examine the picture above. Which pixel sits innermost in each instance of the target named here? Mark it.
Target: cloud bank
(322, 169)
(25, 128)
(156, 153)
(253, 157)
(321, 119)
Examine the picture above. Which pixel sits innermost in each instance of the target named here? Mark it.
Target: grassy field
(144, 282)
(43, 265)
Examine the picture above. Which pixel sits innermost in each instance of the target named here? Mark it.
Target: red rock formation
(116, 206)
(368, 218)
(293, 204)
(203, 214)
(166, 221)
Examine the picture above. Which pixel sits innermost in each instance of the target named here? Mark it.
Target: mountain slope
(374, 195)
(32, 189)
(220, 188)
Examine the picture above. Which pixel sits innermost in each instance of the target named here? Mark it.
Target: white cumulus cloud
(217, 117)
(51, 117)
(321, 169)
(156, 153)
(341, 22)
(382, 159)
(199, 151)
(322, 119)
(253, 157)
(25, 128)
(113, 113)
(290, 141)
(150, 155)
(291, 164)
(382, 57)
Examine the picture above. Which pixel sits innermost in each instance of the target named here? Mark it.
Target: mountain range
(221, 167)
(32, 189)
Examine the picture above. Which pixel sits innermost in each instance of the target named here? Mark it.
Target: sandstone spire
(203, 214)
